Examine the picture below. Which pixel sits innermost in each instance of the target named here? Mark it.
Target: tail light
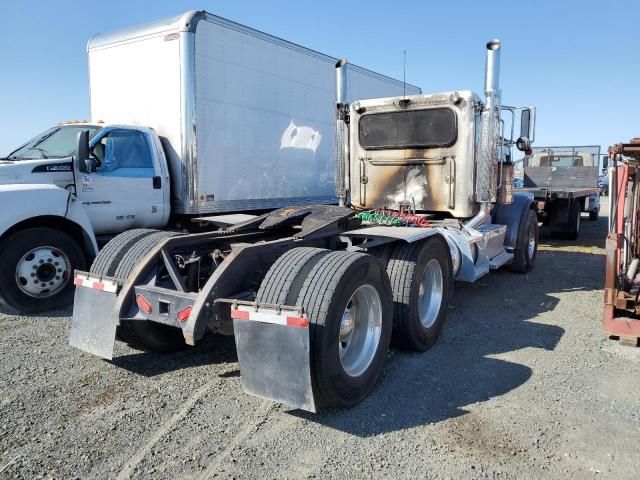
(183, 315)
(143, 304)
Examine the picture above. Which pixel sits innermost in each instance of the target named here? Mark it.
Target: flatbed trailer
(313, 294)
(564, 183)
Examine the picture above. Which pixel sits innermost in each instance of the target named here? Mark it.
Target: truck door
(125, 190)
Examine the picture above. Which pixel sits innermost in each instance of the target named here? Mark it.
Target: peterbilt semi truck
(314, 294)
(191, 115)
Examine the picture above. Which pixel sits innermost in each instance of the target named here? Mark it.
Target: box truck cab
(58, 204)
(193, 115)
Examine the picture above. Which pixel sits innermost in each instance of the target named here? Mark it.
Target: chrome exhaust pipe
(487, 150)
(341, 179)
(341, 82)
(492, 70)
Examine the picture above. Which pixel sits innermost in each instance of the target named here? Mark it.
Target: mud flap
(92, 327)
(274, 357)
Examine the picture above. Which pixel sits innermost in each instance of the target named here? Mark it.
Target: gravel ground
(522, 384)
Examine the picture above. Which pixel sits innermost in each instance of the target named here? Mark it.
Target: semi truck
(622, 282)
(564, 182)
(191, 115)
(314, 294)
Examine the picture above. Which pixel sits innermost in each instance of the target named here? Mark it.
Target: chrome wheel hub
(43, 272)
(360, 330)
(532, 243)
(430, 293)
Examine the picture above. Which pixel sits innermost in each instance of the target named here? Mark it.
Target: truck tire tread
(278, 285)
(137, 251)
(115, 249)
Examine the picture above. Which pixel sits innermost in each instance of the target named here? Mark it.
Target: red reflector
(183, 315)
(239, 314)
(77, 281)
(297, 322)
(143, 304)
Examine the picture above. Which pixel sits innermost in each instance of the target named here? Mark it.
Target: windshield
(434, 127)
(57, 142)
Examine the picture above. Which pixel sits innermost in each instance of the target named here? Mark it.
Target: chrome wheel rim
(43, 272)
(360, 330)
(532, 243)
(430, 293)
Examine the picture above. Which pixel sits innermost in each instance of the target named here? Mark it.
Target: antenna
(404, 74)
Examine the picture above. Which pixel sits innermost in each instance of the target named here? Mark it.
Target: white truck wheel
(38, 265)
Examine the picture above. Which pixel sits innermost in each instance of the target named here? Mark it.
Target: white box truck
(191, 115)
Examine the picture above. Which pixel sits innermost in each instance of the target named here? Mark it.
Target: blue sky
(577, 61)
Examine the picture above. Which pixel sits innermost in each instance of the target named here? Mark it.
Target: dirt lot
(522, 384)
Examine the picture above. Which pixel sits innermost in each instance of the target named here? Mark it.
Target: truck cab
(61, 207)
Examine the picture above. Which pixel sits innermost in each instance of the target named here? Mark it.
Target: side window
(124, 153)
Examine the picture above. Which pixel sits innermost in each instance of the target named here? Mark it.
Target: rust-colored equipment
(622, 276)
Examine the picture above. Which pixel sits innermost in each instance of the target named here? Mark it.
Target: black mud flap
(92, 327)
(275, 362)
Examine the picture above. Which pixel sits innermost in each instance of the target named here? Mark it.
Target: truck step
(500, 260)
(493, 239)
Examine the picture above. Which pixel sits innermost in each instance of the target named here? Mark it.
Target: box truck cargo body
(193, 114)
(247, 119)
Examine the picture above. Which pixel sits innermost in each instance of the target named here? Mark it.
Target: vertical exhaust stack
(488, 145)
(341, 181)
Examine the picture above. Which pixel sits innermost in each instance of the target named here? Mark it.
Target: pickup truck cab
(57, 209)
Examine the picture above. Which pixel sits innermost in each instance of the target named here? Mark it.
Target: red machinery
(622, 276)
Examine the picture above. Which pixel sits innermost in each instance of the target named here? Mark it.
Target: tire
(416, 325)
(344, 372)
(113, 252)
(574, 220)
(283, 281)
(152, 336)
(594, 215)
(39, 254)
(137, 251)
(524, 257)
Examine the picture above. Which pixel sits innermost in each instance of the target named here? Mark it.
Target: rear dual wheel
(421, 279)
(353, 305)
(348, 301)
(118, 259)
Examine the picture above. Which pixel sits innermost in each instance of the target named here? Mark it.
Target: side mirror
(82, 151)
(605, 163)
(525, 123)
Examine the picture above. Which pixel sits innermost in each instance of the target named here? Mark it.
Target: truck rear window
(434, 127)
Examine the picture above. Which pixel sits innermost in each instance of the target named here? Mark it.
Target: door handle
(157, 183)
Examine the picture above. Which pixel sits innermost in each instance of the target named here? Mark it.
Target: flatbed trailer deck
(564, 183)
